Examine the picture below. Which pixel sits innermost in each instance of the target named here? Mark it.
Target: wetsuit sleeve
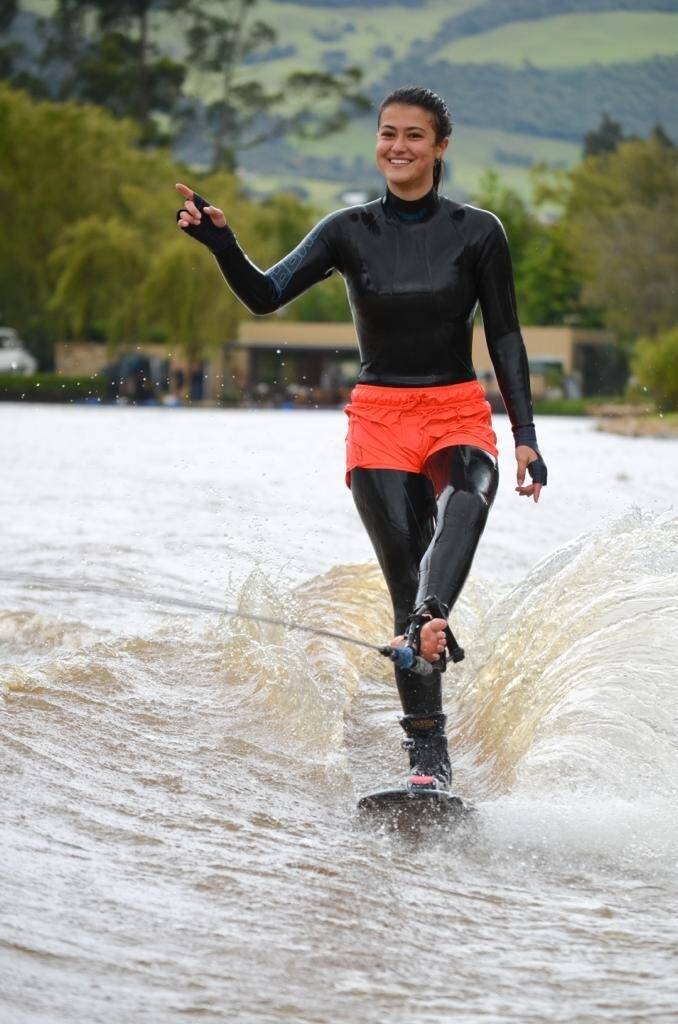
(494, 278)
(265, 291)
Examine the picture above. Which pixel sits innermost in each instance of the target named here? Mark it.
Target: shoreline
(634, 421)
(624, 420)
(639, 426)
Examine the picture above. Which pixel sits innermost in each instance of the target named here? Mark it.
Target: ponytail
(438, 169)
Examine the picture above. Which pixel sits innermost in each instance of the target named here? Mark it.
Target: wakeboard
(413, 806)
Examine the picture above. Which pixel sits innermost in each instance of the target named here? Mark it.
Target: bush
(655, 365)
(561, 406)
(50, 387)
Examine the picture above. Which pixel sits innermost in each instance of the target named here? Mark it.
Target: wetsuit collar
(411, 210)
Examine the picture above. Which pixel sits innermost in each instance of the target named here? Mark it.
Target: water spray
(403, 657)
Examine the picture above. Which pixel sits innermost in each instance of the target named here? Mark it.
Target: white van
(13, 356)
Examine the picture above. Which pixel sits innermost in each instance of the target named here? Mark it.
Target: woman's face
(407, 148)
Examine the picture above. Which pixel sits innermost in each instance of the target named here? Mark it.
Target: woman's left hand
(525, 456)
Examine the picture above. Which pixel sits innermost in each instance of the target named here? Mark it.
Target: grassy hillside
(525, 78)
(570, 41)
(509, 116)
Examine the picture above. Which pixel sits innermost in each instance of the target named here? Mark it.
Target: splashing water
(178, 817)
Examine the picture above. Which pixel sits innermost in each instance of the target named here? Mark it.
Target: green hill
(569, 41)
(525, 79)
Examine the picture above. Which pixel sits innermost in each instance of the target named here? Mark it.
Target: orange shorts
(400, 428)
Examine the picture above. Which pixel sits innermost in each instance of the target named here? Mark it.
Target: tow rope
(403, 657)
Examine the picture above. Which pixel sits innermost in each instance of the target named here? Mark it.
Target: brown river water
(178, 827)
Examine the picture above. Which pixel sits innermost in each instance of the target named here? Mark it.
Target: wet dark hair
(417, 96)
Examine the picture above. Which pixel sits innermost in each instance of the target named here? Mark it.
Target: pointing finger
(186, 192)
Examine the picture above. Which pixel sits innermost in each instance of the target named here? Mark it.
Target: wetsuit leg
(398, 510)
(466, 480)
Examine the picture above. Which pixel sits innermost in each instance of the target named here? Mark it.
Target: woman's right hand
(195, 206)
(201, 221)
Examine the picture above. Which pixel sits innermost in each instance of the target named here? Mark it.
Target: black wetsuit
(414, 273)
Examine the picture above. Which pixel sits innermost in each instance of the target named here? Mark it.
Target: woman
(421, 452)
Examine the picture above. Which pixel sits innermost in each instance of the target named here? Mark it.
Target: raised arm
(261, 291)
(494, 278)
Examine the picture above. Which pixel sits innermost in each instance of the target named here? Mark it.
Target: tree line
(562, 103)
(91, 250)
(598, 247)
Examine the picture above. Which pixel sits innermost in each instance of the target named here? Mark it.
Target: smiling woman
(421, 451)
(407, 139)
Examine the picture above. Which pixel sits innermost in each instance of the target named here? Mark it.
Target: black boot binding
(427, 746)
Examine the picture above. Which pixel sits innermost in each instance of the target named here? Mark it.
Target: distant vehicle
(13, 356)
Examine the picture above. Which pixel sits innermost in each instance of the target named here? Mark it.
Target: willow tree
(185, 304)
(60, 163)
(98, 266)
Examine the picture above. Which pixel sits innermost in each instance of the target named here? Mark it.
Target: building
(148, 370)
(276, 360)
(273, 355)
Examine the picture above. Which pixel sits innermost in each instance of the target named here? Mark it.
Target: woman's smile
(407, 150)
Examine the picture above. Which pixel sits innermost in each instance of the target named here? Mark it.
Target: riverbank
(632, 420)
(614, 416)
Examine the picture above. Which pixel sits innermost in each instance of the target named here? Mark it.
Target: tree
(548, 286)
(65, 43)
(98, 265)
(112, 52)
(519, 222)
(605, 138)
(620, 222)
(327, 301)
(191, 309)
(655, 365)
(8, 12)
(120, 65)
(659, 136)
(92, 247)
(62, 163)
(246, 114)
